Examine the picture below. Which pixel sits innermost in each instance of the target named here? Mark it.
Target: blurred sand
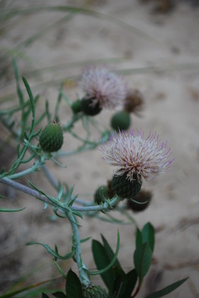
(166, 47)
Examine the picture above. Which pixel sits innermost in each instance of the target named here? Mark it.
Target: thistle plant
(135, 157)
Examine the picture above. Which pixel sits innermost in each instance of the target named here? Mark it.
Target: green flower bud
(93, 291)
(90, 107)
(124, 187)
(76, 106)
(121, 121)
(51, 138)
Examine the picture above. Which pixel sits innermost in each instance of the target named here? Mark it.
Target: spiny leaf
(52, 252)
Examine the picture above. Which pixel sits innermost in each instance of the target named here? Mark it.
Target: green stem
(25, 172)
(70, 124)
(26, 190)
(104, 207)
(83, 275)
(50, 177)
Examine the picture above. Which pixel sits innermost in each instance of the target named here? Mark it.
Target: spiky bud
(51, 138)
(121, 121)
(93, 291)
(124, 187)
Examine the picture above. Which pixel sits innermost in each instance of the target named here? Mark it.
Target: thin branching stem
(83, 276)
(104, 207)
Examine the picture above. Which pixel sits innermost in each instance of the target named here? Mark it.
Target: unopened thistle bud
(121, 121)
(93, 291)
(76, 106)
(51, 138)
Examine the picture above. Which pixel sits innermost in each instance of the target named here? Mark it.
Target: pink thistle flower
(132, 154)
(103, 86)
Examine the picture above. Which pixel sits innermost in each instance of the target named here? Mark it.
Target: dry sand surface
(163, 50)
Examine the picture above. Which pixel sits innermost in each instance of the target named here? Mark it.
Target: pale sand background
(171, 108)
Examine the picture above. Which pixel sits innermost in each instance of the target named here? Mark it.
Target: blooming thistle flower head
(133, 154)
(103, 86)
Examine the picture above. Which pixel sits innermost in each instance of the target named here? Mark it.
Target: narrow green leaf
(19, 91)
(128, 284)
(60, 270)
(167, 289)
(117, 284)
(142, 260)
(110, 253)
(32, 104)
(138, 238)
(148, 235)
(73, 286)
(11, 210)
(110, 265)
(2, 171)
(52, 252)
(102, 260)
(85, 239)
(48, 114)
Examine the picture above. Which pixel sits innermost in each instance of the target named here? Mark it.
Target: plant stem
(104, 207)
(83, 275)
(25, 172)
(26, 190)
(50, 177)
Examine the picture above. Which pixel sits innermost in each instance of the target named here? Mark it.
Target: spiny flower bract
(131, 153)
(103, 86)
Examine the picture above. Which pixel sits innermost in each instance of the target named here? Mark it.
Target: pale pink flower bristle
(104, 86)
(131, 153)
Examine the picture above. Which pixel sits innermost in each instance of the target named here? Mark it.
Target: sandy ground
(163, 51)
